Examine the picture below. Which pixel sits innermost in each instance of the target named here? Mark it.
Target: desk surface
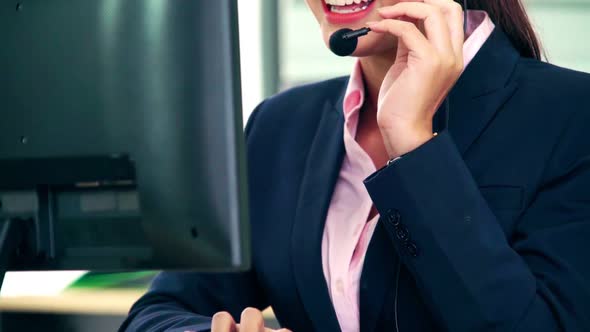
(98, 302)
(79, 301)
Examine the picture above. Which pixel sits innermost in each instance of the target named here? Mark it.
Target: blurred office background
(280, 47)
(303, 57)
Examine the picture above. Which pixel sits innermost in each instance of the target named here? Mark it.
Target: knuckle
(449, 63)
(221, 320)
(250, 311)
(251, 314)
(222, 315)
(438, 12)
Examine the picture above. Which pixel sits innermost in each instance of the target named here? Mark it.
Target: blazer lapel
(475, 99)
(321, 172)
(482, 90)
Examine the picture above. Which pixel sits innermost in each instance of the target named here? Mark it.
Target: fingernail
(371, 23)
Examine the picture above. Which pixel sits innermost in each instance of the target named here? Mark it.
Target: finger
(251, 321)
(435, 25)
(455, 20)
(408, 33)
(223, 322)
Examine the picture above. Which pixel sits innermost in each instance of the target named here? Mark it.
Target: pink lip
(336, 18)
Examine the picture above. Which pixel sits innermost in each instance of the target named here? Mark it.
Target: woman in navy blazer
(483, 227)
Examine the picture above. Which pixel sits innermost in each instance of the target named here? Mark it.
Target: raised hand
(427, 65)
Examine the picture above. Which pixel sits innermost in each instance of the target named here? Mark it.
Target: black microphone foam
(342, 46)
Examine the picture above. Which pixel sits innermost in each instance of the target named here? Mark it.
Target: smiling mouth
(346, 7)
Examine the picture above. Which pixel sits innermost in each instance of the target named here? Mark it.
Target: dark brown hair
(511, 17)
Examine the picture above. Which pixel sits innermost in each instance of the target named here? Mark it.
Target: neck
(374, 68)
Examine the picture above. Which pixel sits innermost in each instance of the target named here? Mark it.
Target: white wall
(251, 54)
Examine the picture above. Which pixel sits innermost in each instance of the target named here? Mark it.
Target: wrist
(398, 143)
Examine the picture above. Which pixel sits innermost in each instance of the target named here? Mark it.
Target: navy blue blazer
(488, 222)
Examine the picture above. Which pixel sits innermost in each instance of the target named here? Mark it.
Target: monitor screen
(121, 141)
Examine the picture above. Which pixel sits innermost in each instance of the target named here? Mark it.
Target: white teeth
(344, 2)
(334, 4)
(335, 9)
(338, 10)
(330, 2)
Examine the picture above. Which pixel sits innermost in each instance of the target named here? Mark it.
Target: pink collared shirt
(347, 232)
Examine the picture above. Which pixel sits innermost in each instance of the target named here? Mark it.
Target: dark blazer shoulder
(549, 81)
(556, 102)
(550, 94)
(284, 126)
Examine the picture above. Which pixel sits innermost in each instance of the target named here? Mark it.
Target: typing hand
(251, 321)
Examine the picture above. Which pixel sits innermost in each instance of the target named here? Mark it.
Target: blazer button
(402, 233)
(412, 249)
(394, 217)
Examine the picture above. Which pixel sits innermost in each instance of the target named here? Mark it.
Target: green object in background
(129, 280)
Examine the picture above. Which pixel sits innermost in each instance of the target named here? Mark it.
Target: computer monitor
(121, 139)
